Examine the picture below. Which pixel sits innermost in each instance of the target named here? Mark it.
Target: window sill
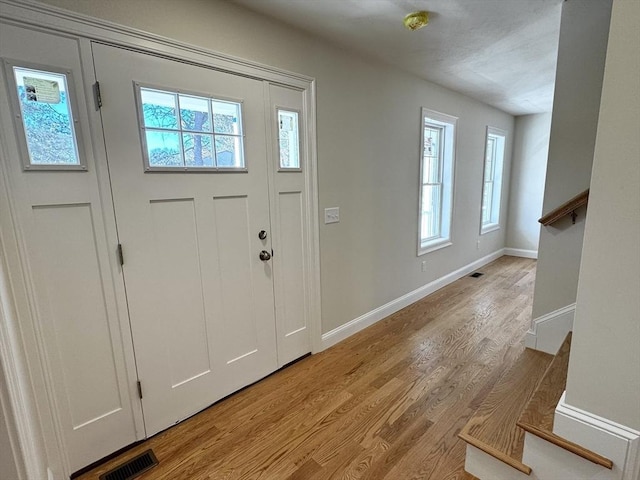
(492, 227)
(434, 245)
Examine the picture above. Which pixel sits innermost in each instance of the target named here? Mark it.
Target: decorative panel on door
(291, 215)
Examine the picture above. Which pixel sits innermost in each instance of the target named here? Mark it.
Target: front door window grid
(184, 132)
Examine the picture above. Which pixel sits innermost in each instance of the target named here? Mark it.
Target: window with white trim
(492, 180)
(44, 109)
(436, 180)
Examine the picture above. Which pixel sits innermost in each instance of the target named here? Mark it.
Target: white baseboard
(518, 252)
(357, 324)
(550, 330)
(617, 442)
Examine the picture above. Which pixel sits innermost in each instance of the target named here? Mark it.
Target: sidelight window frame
(20, 126)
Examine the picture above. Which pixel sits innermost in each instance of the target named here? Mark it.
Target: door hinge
(120, 254)
(96, 90)
(139, 389)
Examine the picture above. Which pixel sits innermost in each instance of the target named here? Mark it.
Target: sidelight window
(184, 132)
(289, 140)
(44, 108)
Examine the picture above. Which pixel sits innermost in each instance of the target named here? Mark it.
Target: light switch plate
(332, 215)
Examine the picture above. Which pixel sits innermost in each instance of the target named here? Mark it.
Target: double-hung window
(492, 180)
(436, 180)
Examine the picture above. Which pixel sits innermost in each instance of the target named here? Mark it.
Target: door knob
(264, 255)
(262, 235)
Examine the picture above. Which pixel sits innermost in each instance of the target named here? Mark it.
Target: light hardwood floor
(387, 403)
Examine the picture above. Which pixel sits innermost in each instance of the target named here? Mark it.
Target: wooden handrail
(567, 208)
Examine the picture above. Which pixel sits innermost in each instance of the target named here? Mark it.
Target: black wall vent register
(132, 468)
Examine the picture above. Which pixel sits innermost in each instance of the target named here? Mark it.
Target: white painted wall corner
(549, 331)
(357, 324)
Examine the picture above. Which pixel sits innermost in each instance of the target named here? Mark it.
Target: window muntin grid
(190, 132)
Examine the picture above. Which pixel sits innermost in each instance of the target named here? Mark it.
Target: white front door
(187, 155)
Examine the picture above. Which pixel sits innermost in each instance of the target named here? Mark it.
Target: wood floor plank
(387, 403)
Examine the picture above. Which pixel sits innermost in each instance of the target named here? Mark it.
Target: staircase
(516, 414)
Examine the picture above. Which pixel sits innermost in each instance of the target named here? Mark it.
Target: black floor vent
(476, 275)
(132, 468)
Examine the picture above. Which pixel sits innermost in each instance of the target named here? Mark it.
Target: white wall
(368, 148)
(581, 52)
(604, 369)
(529, 166)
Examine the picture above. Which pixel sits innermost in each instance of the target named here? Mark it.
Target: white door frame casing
(39, 449)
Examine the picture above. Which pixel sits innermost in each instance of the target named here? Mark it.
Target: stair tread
(540, 410)
(494, 423)
(537, 417)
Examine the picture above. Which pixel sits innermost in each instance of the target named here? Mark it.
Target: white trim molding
(549, 331)
(618, 443)
(519, 252)
(357, 324)
(51, 18)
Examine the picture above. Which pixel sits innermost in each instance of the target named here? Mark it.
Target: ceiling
(501, 52)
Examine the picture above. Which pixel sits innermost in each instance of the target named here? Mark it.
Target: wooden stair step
(537, 417)
(493, 428)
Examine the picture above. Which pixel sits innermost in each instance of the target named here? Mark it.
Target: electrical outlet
(424, 265)
(332, 215)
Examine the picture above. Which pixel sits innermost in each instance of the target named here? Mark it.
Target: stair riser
(550, 462)
(485, 467)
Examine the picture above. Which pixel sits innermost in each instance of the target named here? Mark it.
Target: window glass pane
(430, 227)
(288, 139)
(159, 109)
(164, 149)
(487, 195)
(489, 161)
(46, 117)
(194, 112)
(432, 155)
(197, 150)
(226, 117)
(229, 152)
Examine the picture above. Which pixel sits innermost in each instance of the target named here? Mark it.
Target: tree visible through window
(188, 131)
(436, 184)
(48, 128)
